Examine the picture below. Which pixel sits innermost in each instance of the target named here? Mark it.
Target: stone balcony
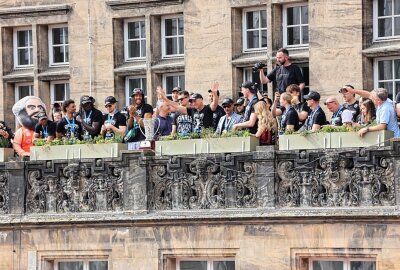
(138, 186)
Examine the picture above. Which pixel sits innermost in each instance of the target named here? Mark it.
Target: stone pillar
(230, 194)
(16, 186)
(176, 193)
(135, 185)
(265, 175)
(365, 194)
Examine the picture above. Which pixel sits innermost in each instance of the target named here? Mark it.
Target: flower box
(77, 151)
(308, 141)
(351, 139)
(6, 153)
(206, 146)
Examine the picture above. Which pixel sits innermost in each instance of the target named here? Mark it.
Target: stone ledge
(41, 10)
(131, 68)
(131, 4)
(19, 75)
(55, 73)
(383, 49)
(169, 65)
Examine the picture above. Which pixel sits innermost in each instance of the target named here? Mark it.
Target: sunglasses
(227, 106)
(180, 99)
(326, 103)
(108, 106)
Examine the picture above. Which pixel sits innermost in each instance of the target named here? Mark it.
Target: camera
(258, 66)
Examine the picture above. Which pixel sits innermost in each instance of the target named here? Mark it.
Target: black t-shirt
(141, 111)
(290, 117)
(117, 120)
(201, 119)
(90, 117)
(218, 113)
(184, 124)
(284, 76)
(248, 111)
(49, 130)
(300, 107)
(67, 127)
(315, 117)
(354, 108)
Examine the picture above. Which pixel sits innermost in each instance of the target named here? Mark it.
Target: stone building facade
(59, 49)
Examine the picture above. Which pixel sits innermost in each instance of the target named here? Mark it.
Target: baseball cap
(313, 95)
(343, 89)
(240, 101)
(176, 89)
(110, 100)
(227, 101)
(137, 91)
(86, 99)
(209, 91)
(195, 96)
(42, 115)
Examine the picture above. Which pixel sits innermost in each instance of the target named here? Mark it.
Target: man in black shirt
(317, 117)
(218, 113)
(114, 121)
(284, 74)
(90, 118)
(45, 128)
(68, 127)
(351, 103)
(138, 111)
(249, 119)
(183, 123)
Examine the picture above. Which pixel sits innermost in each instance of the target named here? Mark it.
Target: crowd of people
(184, 113)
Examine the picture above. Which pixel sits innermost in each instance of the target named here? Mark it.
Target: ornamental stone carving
(201, 184)
(4, 194)
(333, 180)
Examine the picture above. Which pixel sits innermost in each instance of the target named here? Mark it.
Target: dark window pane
(180, 22)
(24, 38)
(227, 265)
(253, 20)
(304, 15)
(58, 54)
(397, 68)
(70, 266)
(173, 81)
(193, 265)
(142, 29)
(293, 15)
(263, 19)
(133, 30)
(66, 35)
(182, 82)
(23, 57)
(57, 36)
(181, 45)
(252, 39)
(397, 87)
(305, 34)
(397, 26)
(362, 265)
(384, 7)
(264, 38)
(171, 46)
(134, 48)
(396, 7)
(384, 27)
(170, 27)
(59, 92)
(327, 265)
(24, 91)
(293, 35)
(385, 70)
(98, 265)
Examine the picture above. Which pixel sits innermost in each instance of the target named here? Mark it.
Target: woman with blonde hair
(290, 117)
(267, 126)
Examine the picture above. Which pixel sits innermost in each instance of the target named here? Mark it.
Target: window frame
(126, 40)
(15, 46)
(301, 25)
(67, 92)
(376, 38)
(128, 100)
(52, 46)
(207, 259)
(346, 261)
(16, 89)
(85, 262)
(245, 30)
(163, 37)
(376, 73)
(164, 81)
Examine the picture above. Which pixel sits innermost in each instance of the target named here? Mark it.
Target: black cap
(227, 101)
(41, 115)
(209, 91)
(250, 85)
(137, 91)
(110, 100)
(240, 101)
(195, 96)
(86, 99)
(343, 89)
(176, 89)
(313, 95)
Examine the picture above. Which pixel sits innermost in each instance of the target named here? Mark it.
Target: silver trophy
(148, 132)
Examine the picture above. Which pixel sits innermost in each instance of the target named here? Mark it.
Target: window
(386, 19)
(134, 40)
(387, 75)
(22, 90)
(333, 264)
(23, 48)
(59, 91)
(254, 30)
(254, 76)
(198, 264)
(132, 83)
(81, 265)
(295, 25)
(172, 36)
(172, 80)
(58, 45)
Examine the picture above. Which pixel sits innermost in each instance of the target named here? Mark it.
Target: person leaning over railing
(385, 114)
(68, 127)
(183, 123)
(114, 121)
(45, 129)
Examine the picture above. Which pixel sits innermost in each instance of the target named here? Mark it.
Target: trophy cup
(148, 133)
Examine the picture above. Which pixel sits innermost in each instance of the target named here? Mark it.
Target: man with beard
(284, 74)
(137, 112)
(68, 127)
(26, 110)
(90, 118)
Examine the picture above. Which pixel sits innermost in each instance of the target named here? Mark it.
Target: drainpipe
(90, 49)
